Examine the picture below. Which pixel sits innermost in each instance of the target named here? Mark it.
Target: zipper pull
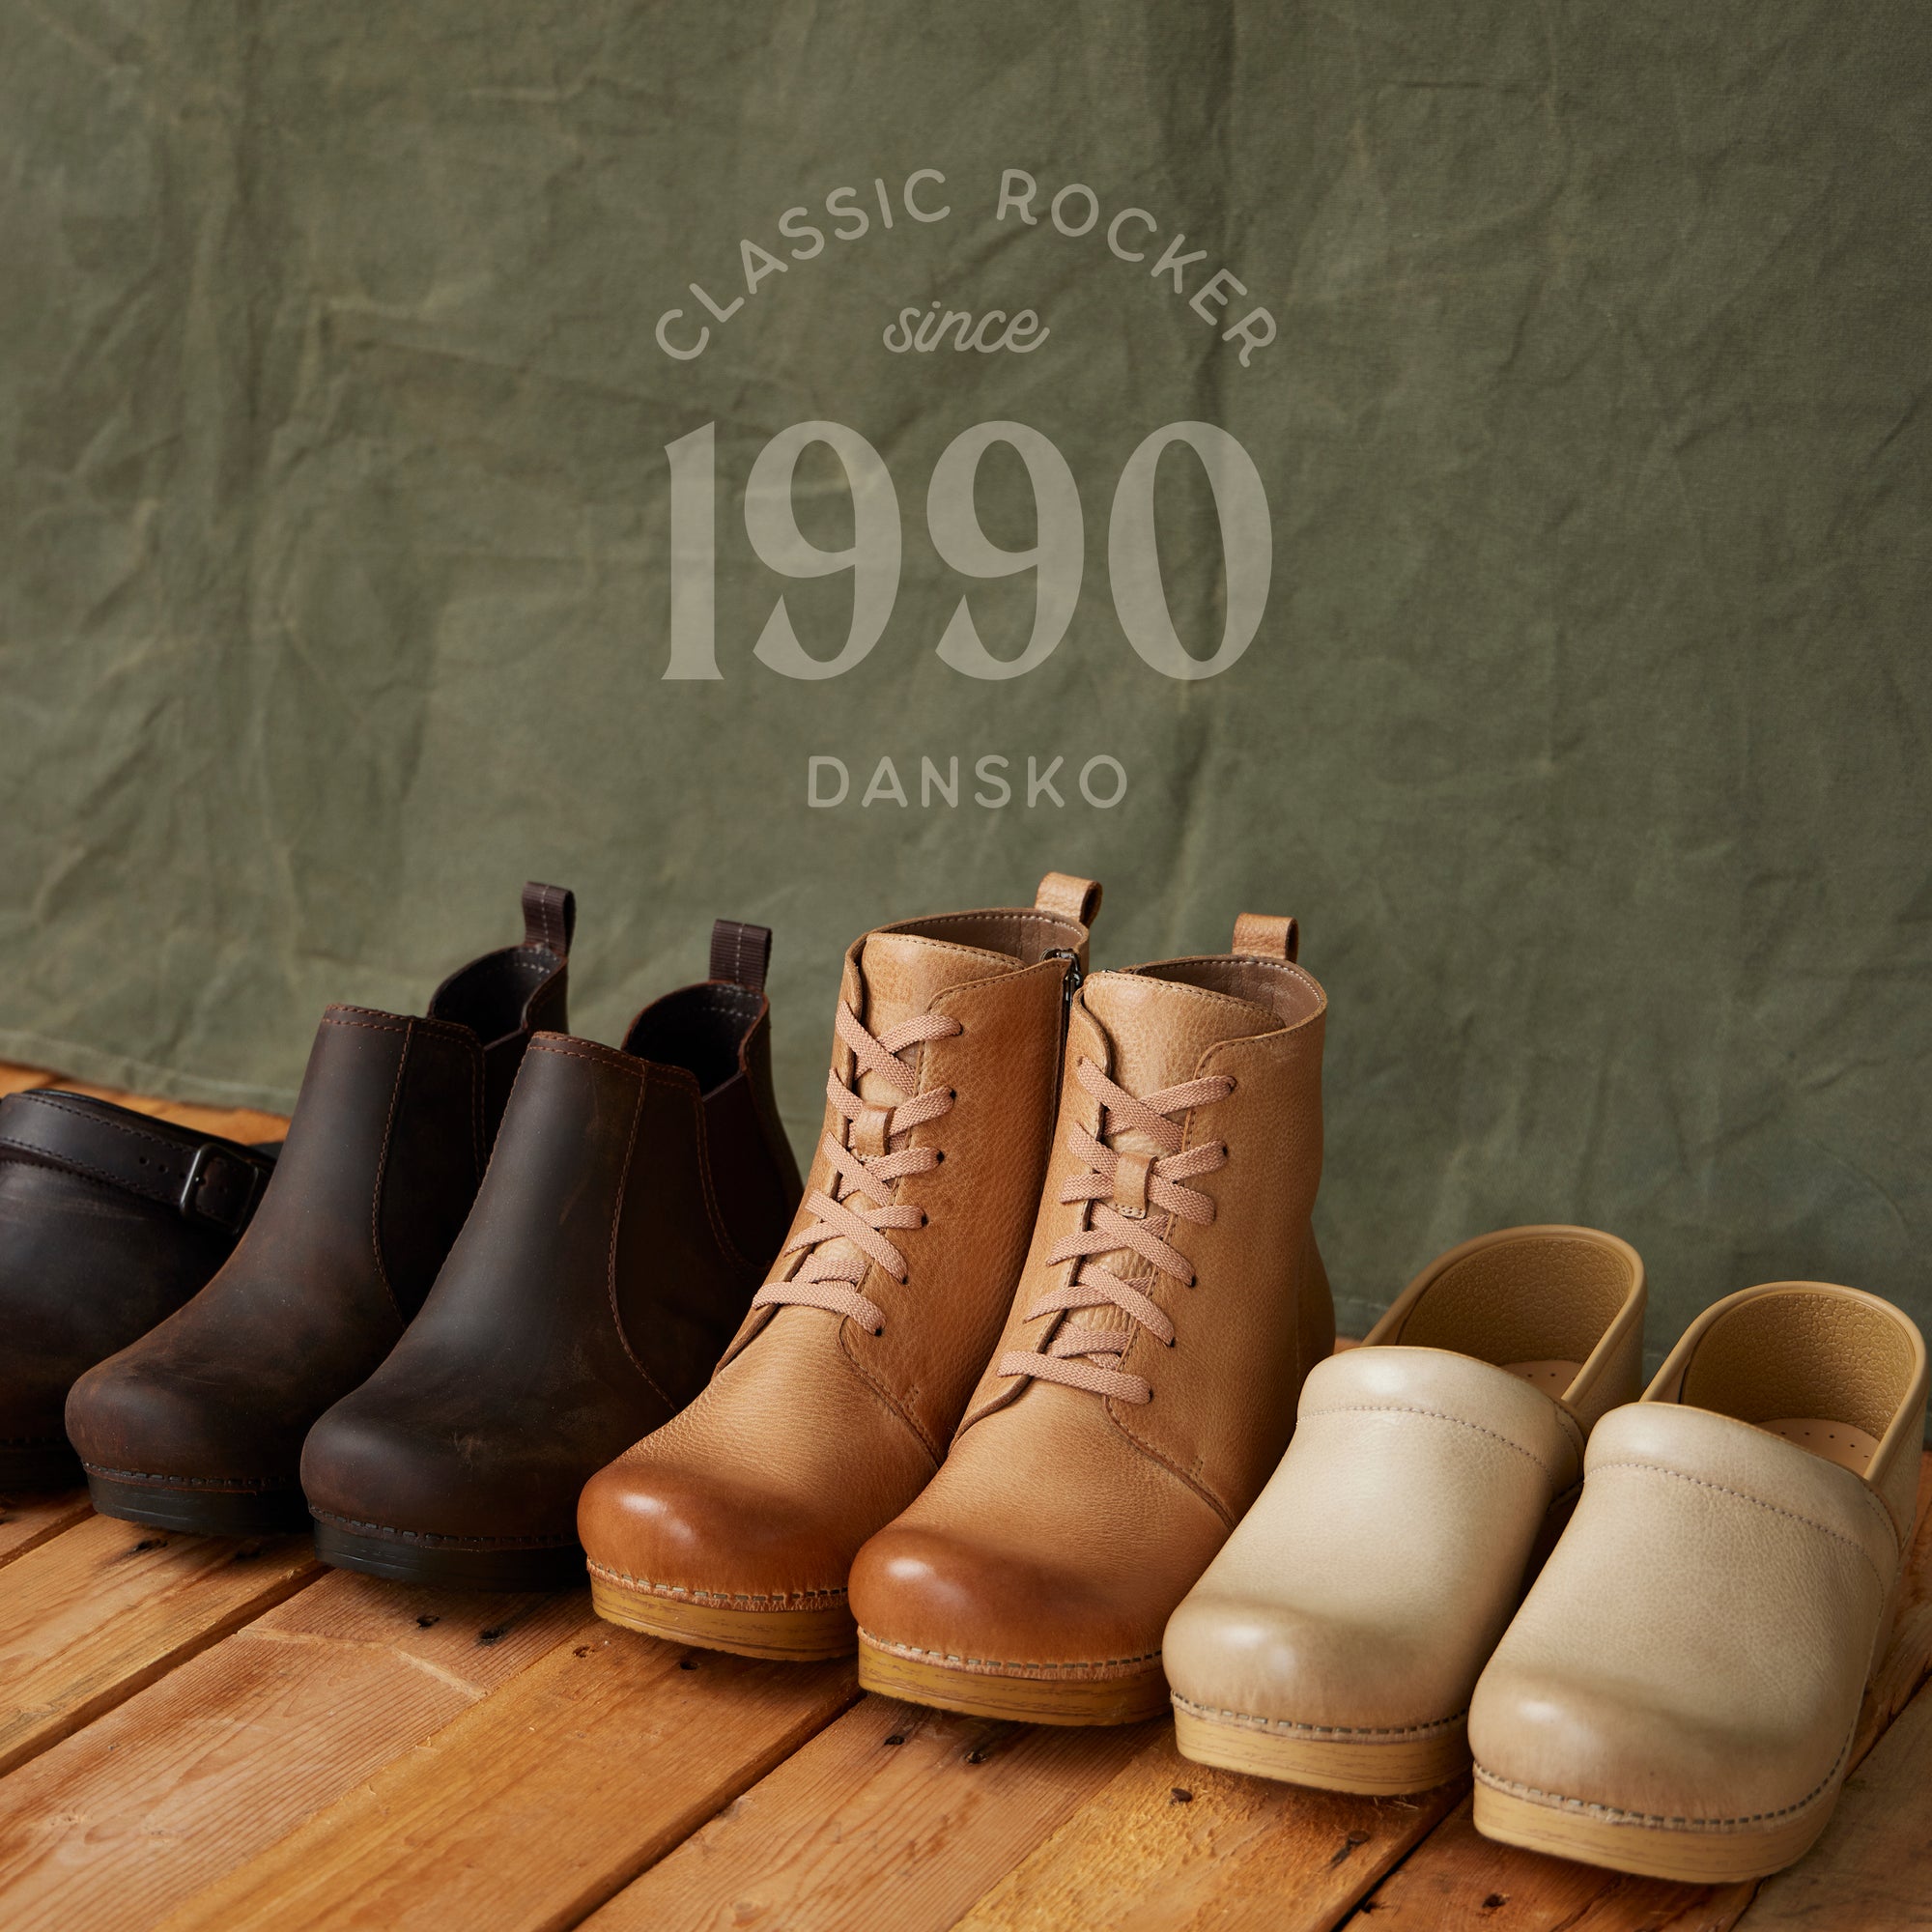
(1075, 978)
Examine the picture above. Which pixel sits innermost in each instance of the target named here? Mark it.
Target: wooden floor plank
(534, 1808)
(118, 1824)
(235, 1123)
(22, 1079)
(26, 1521)
(1459, 1879)
(895, 1817)
(1872, 1869)
(102, 1609)
(1455, 1877)
(1171, 1846)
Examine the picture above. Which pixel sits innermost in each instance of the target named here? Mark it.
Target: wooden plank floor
(219, 1733)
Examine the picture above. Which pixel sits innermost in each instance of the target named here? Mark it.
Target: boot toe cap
(124, 1420)
(962, 1596)
(1568, 1736)
(376, 1464)
(1297, 1665)
(667, 1526)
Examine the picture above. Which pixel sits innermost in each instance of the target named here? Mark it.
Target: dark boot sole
(449, 1566)
(39, 1465)
(199, 1512)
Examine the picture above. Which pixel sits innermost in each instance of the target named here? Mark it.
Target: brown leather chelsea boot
(734, 1525)
(199, 1424)
(109, 1220)
(633, 1203)
(1145, 1384)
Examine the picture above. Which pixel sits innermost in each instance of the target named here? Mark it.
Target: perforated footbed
(1823, 1371)
(1837, 1442)
(1552, 1376)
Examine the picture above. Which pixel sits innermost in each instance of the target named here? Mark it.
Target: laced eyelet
(952, 1093)
(878, 1331)
(1194, 1281)
(1171, 1340)
(939, 1157)
(924, 1219)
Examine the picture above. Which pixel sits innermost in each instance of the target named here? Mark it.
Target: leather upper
(1372, 1578)
(1363, 1593)
(815, 1429)
(381, 1161)
(1693, 1654)
(1064, 1523)
(108, 1222)
(611, 1250)
(383, 1156)
(1622, 1684)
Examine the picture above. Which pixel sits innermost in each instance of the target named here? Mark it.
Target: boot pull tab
(1067, 897)
(740, 953)
(1260, 936)
(550, 917)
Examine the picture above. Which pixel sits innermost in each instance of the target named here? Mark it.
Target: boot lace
(860, 1208)
(1122, 1189)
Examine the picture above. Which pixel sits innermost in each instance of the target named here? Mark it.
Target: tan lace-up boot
(1146, 1383)
(734, 1525)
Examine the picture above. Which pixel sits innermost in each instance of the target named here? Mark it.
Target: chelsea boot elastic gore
(198, 1425)
(632, 1201)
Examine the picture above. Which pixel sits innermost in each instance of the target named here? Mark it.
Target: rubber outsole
(783, 1636)
(1126, 1699)
(448, 1565)
(1378, 1768)
(1648, 1851)
(194, 1512)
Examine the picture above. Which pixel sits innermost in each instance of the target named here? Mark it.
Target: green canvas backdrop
(1586, 731)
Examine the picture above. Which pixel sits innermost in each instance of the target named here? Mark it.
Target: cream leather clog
(1677, 1695)
(1336, 1638)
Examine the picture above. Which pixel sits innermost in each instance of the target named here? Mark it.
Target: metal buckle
(205, 1157)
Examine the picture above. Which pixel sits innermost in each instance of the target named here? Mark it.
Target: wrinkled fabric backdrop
(1585, 728)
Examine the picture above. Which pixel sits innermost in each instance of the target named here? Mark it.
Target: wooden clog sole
(1033, 1700)
(1382, 1769)
(1647, 1850)
(785, 1637)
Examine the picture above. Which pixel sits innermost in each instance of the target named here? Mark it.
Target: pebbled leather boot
(109, 1220)
(734, 1525)
(633, 1203)
(1146, 1383)
(199, 1424)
